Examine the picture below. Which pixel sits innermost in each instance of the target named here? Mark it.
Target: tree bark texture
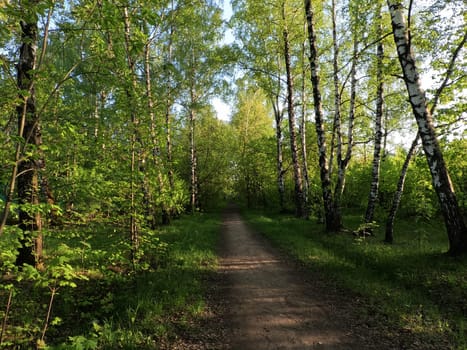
(336, 127)
(134, 229)
(378, 136)
(156, 156)
(303, 134)
(193, 163)
(343, 161)
(389, 235)
(455, 226)
(168, 106)
(278, 116)
(300, 208)
(332, 220)
(29, 130)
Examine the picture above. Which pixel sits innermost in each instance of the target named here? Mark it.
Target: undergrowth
(412, 283)
(103, 300)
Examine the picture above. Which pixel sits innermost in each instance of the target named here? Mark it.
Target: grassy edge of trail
(411, 290)
(160, 304)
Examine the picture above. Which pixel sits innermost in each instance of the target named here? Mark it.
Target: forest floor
(261, 299)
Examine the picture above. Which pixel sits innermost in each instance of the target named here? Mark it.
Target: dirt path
(268, 303)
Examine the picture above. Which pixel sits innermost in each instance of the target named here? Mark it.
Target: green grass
(114, 305)
(412, 283)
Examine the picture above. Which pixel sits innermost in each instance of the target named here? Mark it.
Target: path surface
(269, 305)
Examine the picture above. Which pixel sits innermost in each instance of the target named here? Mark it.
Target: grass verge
(102, 301)
(412, 283)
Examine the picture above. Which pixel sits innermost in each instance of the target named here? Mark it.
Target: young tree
(300, 205)
(29, 131)
(333, 219)
(389, 233)
(455, 226)
(378, 133)
(251, 125)
(199, 59)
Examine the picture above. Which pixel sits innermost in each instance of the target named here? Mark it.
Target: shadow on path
(269, 305)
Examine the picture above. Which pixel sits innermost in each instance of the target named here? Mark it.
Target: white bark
(456, 229)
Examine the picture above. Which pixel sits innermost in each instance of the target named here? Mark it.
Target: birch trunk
(303, 135)
(278, 116)
(300, 210)
(29, 131)
(134, 229)
(343, 161)
(336, 127)
(155, 142)
(378, 136)
(193, 163)
(389, 235)
(168, 107)
(455, 226)
(333, 221)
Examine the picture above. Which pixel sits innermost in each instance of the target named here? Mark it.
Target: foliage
(253, 160)
(114, 93)
(102, 301)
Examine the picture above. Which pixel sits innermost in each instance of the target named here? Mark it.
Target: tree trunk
(378, 136)
(29, 131)
(455, 226)
(343, 161)
(168, 106)
(134, 229)
(193, 164)
(278, 116)
(389, 236)
(336, 126)
(332, 218)
(155, 142)
(303, 135)
(168, 135)
(300, 209)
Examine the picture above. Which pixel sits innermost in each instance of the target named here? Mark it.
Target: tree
(389, 233)
(333, 219)
(378, 133)
(29, 130)
(455, 226)
(300, 203)
(216, 154)
(251, 124)
(264, 70)
(198, 58)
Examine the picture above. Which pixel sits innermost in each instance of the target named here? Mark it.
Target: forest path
(268, 302)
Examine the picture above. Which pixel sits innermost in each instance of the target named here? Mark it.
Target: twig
(5, 318)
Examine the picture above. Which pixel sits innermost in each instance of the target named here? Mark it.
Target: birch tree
(455, 226)
(333, 219)
(197, 56)
(378, 128)
(300, 205)
(265, 60)
(389, 232)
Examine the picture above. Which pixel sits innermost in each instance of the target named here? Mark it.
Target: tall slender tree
(197, 57)
(303, 125)
(300, 206)
(278, 118)
(333, 219)
(29, 131)
(455, 226)
(378, 128)
(389, 233)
